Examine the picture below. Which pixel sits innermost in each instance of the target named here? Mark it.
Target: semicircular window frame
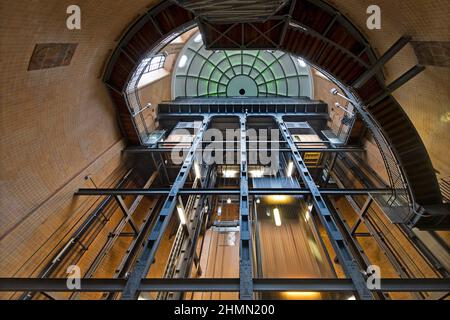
(208, 73)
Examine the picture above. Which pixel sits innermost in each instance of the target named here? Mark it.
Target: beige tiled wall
(55, 124)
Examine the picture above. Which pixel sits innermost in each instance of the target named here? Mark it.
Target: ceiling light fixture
(198, 171)
(290, 169)
(181, 215)
(257, 173)
(277, 217)
(229, 173)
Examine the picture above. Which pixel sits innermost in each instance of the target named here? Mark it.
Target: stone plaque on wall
(51, 55)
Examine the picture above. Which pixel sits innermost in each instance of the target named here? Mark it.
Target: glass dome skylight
(238, 73)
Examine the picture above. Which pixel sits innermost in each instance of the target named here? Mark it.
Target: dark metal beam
(186, 254)
(293, 192)
(264, 33)
(340, 247)
(118, 230)
(391, 52)
(162, 150)
(404, 78)
(361, 214)
(133, 249)
(182, 115)
(354, 246)
(286, 23)
(145, 261)
(253, 192)
(221, 285)
(76, 237)
(245, 252)
(127, 214)
(298, 26)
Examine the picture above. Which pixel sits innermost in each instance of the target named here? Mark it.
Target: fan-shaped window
(236, 73)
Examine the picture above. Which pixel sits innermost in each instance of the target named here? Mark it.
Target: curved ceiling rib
(310, 29)
(251, 73)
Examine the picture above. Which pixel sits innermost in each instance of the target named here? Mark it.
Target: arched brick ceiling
(319, 34)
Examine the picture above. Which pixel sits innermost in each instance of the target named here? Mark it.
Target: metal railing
(398, 205)
(134, 103)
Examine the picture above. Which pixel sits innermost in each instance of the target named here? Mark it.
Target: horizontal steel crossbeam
(146, 258)
(221, 285)
(253, 192)
(340, 247)
(176, 149)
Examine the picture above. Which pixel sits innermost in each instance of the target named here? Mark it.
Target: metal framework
(246, 284)
(263, 106)
(246, 280)
(221, 285)
(340, 247)
(390, 53)
(327, 150)
(363, 209)
(145, 261)
(245, 254)
(229, 10)
(184, 247)
(274, 32)
(251, 192)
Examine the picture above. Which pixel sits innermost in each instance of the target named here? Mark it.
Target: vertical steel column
(148, 254)
(188, 254)
(245, 254)
(330, 169)
(340, 247)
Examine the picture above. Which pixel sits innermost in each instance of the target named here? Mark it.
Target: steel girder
(221, 285)
(188, 254)
(389, 54)
(141, 269)
(340, 247)
(219, 191)
(162, 150)
(245, 253)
